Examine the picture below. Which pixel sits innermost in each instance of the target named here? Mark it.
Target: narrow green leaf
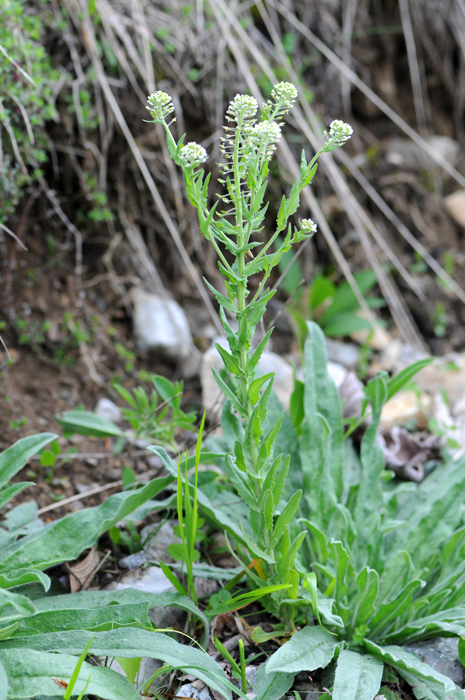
(11, 491)
(77, 669)
(390, 611)
(172, 579)
(221, 299)
(131, 667)
(8, 630)
(65, 539)
(280, 481)
(230, 362)
(404, 661)
(401, 379)
(88, 423)
(282, 217)
(364, 603)
(286, 564)
(228, 393)
(307, 179)
(20, 604)
(285, 518)
(357, 676)
(461, 650)
(430, 690)
(257, 353)
(13, 459)
(256, 385)
(271, 686)
(309, 649)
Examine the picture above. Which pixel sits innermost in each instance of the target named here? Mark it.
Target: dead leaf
(82, 573)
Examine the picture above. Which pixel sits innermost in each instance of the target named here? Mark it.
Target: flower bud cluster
(266, 135)
(241, 107)
(283, 97)
(285, 94)
(160, 105)
(339, 133)
(193, 154)
(307, 227)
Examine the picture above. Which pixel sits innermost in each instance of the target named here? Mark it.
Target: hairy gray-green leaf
(66, 538)
(31, 673)
(128, 642)
(15, 457)
(358, 676)
(307, 650)
(271, 686)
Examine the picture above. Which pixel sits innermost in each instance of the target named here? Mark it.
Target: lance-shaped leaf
(407, 663)
(358, 676)
(285, 517)
(309, 649)
(88, 423)
(13, 459)
(128, 643)
(228, 393)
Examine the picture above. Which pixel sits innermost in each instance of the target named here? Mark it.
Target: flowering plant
(233, 226)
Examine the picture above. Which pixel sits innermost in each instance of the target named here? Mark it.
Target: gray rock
(108, 410)
(151, 580)
(189, 690)
(405, 153)
(160, 326)
(442, 655)
(156, 541)
(346, 354)
(212, 397)
(133, 561)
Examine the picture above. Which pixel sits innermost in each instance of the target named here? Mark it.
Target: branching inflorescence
(256, 472)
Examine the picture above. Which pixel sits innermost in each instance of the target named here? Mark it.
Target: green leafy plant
(386, 561)
(256, 473)
(335, 308)
(43, 634)
(361, 579)
(156, 417)
(26, 103)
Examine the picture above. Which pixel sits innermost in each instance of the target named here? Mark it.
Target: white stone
(455, 205)
(160, 326)
(346, 354)
(377, 338)
(108, 410)
(151, 580)
(406, 407)
(337, 373)
(212, 397)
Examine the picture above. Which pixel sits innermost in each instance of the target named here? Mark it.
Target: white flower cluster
(264, 137)
(265, 134)
(307, 226)
(339, 132)
(193, 154)
(160, 104)
(241, 107)
(285, 94)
